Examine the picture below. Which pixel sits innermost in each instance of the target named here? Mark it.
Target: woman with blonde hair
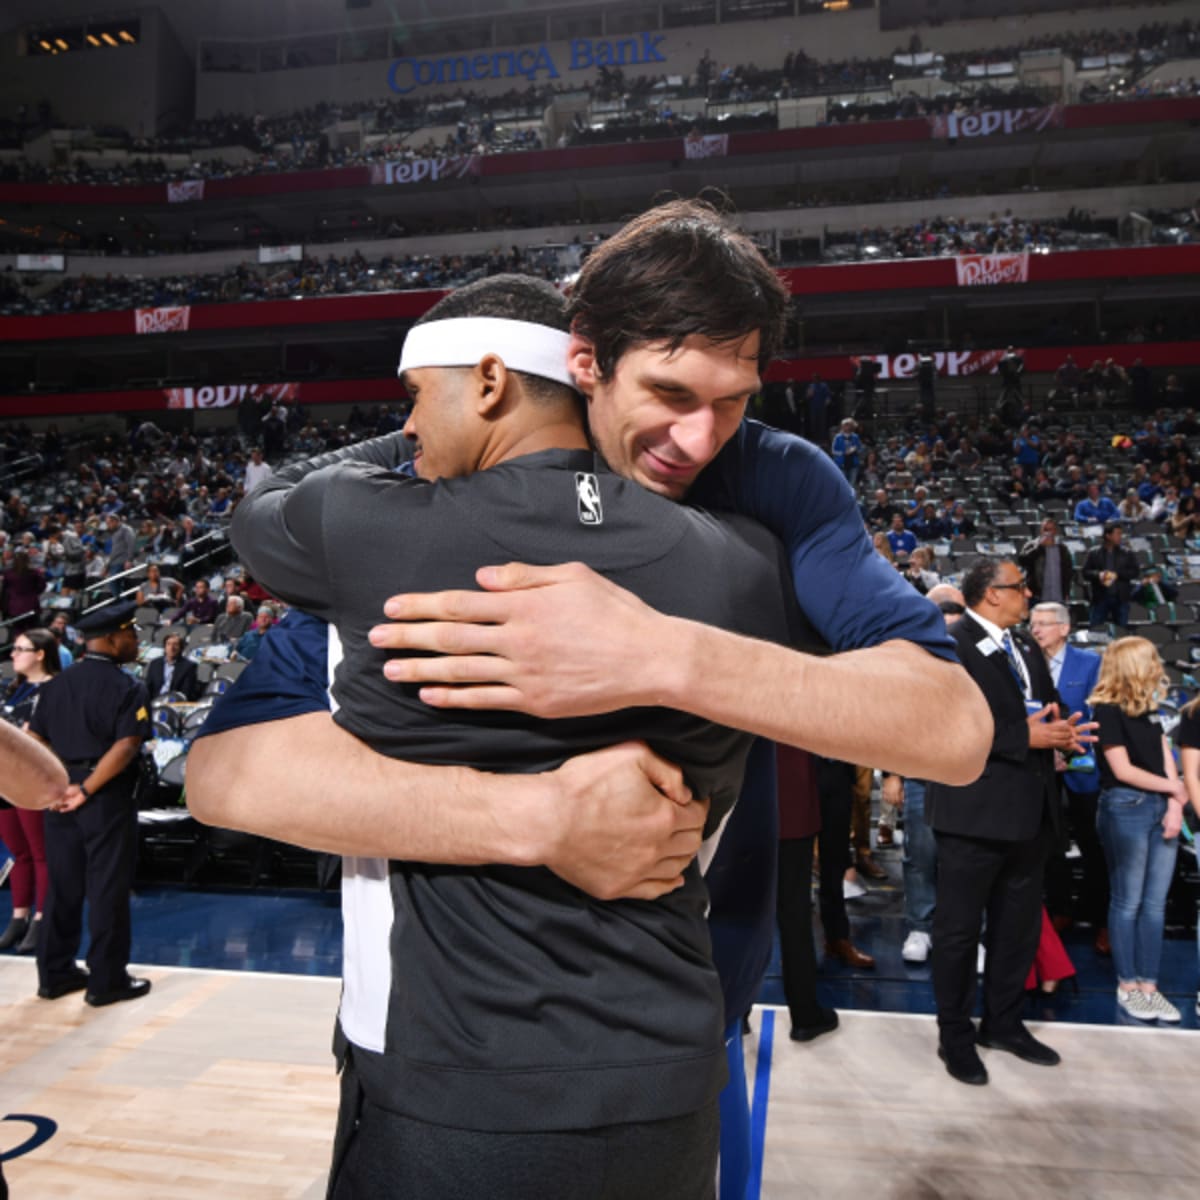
(1138, 819)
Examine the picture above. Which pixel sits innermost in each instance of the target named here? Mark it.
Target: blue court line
(758, 1107)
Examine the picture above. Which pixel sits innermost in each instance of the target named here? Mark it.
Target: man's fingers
(437, 637)
(497, 697)
(653, 889)
(667, 777)
(457, 605)
(514, 576)
(459, 669)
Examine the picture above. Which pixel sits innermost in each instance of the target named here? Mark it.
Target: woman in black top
(1139, 816)
(35, 658)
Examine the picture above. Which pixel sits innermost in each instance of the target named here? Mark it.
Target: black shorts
(378, 1154)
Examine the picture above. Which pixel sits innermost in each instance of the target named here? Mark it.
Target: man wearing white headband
(496, 1023)
(675, 318)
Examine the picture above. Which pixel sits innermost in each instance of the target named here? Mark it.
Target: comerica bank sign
(407, 74)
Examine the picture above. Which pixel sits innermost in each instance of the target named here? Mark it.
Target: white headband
(463, 341)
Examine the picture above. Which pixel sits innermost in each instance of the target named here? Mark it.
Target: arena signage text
(407, 74)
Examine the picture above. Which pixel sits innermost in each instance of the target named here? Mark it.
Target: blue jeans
(1141, 864)
(919, 860)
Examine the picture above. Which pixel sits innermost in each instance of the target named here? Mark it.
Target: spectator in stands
(919, 862)
(172, 672)
(1165, 504)
(250, 641)
(900, 538)
(846, 449)
(1095, 509)
(256, 471)
(966, 459)
(880, 514)
(927, 526)
(69, 642)
(121, 548)
(920, 570)
(1155, 591)
(1027, 449)
(200, 609)
(1015, 489)
(799, 823)
(1047, 565)
(1074, 672)
(158, 590)
(1186, 520)
(21, 588)
(1110, 570)
(817, 398)
(35, 660)
(960, 524)
(1066, 382)
(1140, 816)
(1133, 507)
(233, 622)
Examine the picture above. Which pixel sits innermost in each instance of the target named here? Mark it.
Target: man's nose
(696, 434)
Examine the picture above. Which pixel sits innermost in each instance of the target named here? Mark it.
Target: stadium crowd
(26, 295)
(144, 516)
(477, 124)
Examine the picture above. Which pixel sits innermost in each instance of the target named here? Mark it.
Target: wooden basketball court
(222, 1084)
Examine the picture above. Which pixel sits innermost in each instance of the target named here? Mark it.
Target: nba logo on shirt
(587, 490)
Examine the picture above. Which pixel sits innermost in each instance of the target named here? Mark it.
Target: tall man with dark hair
(663, 312)
(506, 450)
(993, 835)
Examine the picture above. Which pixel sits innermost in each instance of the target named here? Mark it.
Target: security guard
(95, 718)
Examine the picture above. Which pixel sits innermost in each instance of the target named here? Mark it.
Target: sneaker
(916, 947)
(1162, 1008)
(1136, 1004)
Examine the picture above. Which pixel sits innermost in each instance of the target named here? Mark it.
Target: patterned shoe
(1162, 1008)
(1136, 1004)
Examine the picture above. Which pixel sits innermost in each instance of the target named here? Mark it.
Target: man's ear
(581, 362)
(492, 383)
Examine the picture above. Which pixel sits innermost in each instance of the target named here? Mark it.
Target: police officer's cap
(107, 620)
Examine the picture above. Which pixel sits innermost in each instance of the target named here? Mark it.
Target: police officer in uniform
(95, 718)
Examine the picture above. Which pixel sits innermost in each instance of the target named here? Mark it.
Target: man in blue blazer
(1075, 672)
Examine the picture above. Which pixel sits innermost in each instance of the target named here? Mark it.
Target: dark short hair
(677, 270)
(980, 576)
(951, 608)
(514, 298)
(1109, 526)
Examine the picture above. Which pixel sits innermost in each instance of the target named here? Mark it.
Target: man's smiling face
(662, 415)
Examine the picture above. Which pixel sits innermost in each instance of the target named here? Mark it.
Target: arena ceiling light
(109, 39)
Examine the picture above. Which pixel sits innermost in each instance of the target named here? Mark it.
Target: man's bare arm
(32, 776)
(562, 641)
(619, 822)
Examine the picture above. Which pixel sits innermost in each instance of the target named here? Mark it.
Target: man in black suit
(1047, 565)
(172, 672)
(1110, 569)
(994, 834)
